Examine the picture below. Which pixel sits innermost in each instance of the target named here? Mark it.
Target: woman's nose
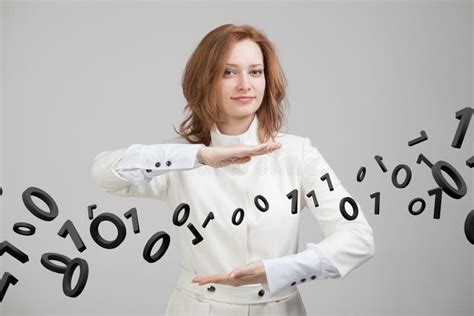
(243, 83)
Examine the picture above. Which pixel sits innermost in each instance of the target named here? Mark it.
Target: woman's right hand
(222, 156)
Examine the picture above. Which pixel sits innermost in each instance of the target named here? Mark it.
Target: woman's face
(243, 76)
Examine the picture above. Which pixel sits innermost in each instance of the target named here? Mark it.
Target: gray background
(364, 78)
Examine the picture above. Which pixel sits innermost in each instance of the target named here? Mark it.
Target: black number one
(5, 281)
(315, 199)
(438, 192)
(293, 196)
(133, 214)
(376, 196)
(68, 228)
(328, 179)
(464, 117)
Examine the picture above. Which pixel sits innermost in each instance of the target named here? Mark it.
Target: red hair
(204, 69)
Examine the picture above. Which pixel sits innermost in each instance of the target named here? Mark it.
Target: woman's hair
(205, 68)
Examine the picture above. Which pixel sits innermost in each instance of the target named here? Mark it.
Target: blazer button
(292, 284)
(148, 170)
(313, 277)
(211, 288)
(168, 163)
(302, 280)
(261, 292)
(157, 164)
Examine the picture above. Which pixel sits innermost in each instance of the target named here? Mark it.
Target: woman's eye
(228, 72)
(255, 73)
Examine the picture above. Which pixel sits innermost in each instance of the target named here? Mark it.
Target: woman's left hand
(252, 273)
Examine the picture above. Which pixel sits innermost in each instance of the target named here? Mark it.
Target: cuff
(159, 158)
(288, 271)
(328, 269)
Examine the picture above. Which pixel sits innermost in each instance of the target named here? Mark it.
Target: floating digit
(461, 188)
(293, 196)
(241, 216)
(133, 214)
(469, 227)
(361, 174)
(312, 194)
(328, 178)
(68, 228)
(81, 281)
(197, 236)
(183, 206)
(380, 163)
(464, 117)
(208, 218)
(114, 219)
(151, 242)
(470, 162)
(30, 229)
(67, 270)
(376, 195)
(47, 258)
(355, 208)
(13, 251)
(395, 175)
(257, 200)
(35, 210)
(90, 208)
(179, 208)
(422, 158)
(6, 280)
(438, 192)
(422, 206)
(418, 140)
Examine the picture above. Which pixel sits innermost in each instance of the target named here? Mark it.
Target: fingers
(256, 150)
(234, 273)
(234, 160)
(266, 148)
(242, 272)
(242, 159)
(238, 154)
(240, 278)
(216, 278)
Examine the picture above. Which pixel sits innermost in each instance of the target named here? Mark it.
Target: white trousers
(219, 299)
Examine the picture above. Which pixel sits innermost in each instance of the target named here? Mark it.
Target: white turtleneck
(249, 137)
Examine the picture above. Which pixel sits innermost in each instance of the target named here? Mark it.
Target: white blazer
(284, 179)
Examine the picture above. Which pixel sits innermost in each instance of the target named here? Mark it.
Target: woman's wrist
(201, 154)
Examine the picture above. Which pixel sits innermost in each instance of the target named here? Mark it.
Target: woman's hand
(252, 273)
(223, 156)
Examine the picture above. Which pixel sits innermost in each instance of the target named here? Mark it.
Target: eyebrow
(250, 65)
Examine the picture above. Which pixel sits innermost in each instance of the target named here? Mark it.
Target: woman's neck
(236, 126)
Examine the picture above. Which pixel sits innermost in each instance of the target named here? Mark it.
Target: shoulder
(289, 138)
(298, 146)
(293, 143)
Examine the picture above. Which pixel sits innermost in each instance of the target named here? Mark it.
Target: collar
(249, 137)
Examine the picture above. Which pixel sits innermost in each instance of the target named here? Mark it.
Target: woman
(231, 159)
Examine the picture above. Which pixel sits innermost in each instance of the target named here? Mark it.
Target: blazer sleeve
(142, 170)
(347, 243)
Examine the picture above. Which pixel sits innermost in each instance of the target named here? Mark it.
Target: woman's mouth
(244, 99)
